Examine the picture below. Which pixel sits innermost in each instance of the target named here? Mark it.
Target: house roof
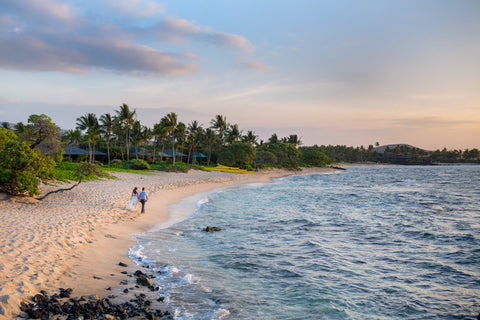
(168, 153)
(75, 151)
(200, 155)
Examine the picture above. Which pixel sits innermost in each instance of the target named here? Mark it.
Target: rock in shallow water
(212, 229)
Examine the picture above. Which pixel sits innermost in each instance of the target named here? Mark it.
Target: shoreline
(78, 238)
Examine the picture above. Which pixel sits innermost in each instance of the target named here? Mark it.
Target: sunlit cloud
(254, 65)
(50, 35)
(134, 8)
(174, 29)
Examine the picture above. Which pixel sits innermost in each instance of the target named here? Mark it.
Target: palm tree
(106, 121)
(147, 135)
(209, 140)
(293, 139)
(170, 121)
(195, 130)
(233, 133)
(156, 132)
(127, 117)
(72, 137)
(220, 123)
(160, 134)
(181, 135)
(250, 138)
(273, 139)
(89, 122)
(136, 135)
(118, 132)
(19, 128)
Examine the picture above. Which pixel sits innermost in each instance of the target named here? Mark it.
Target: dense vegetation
(398, 154)
(40, 150)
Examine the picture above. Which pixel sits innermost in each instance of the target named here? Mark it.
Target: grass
(65, 172)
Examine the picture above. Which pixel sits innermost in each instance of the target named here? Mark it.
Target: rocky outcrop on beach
(91, 307)
(62, 306)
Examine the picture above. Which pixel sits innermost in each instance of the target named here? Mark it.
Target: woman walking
(132, 205)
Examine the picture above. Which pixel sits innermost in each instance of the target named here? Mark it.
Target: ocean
(371, 242)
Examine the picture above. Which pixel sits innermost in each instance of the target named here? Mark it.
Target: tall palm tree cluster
(122, 132)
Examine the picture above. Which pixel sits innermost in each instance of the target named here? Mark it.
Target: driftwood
(85, 170)
(59, 190)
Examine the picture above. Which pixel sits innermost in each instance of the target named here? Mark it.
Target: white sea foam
(187, 279)
(221, 314)
(136, 253)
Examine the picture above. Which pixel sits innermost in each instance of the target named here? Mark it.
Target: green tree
(160, 135)
(209, 140)
(170, 122)
(127, 118)
(273, 139)
(106, 125)
(239, 154)
(42, 134)
(181, 136)
(293, 139)
(266, 157)
(220, 124)
(313, 156)
(72, 137)
(136, 136)
(251, 138)
(21, 166)
(19, 128)
(195, 132)
(89, 122)
(287, 154)
(233, 133)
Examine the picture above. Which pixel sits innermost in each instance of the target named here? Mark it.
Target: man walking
(143, 198)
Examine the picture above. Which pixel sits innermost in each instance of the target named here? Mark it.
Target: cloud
(39, 9)
(254, 65)
(174, 29)
(49, 35)
(134, 8)
(429, 122)
(228, 40)
(80, 54)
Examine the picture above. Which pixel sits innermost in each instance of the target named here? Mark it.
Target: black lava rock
(212, 229)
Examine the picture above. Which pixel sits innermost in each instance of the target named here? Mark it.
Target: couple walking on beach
(142, 197)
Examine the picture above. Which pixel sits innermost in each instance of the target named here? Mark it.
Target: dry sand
(76, 239)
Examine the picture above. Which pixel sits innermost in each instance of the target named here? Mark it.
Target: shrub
(20, 166)
(137, 164)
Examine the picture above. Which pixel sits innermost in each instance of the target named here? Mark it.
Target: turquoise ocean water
(371, 242)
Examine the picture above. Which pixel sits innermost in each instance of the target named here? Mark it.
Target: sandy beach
(77, 238)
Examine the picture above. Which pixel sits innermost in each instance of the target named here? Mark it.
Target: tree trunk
(173, 150)
(209, 154)
(127, 145)
(59, 190)
(108, 149)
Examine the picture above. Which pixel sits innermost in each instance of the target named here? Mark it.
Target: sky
(345, 72)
